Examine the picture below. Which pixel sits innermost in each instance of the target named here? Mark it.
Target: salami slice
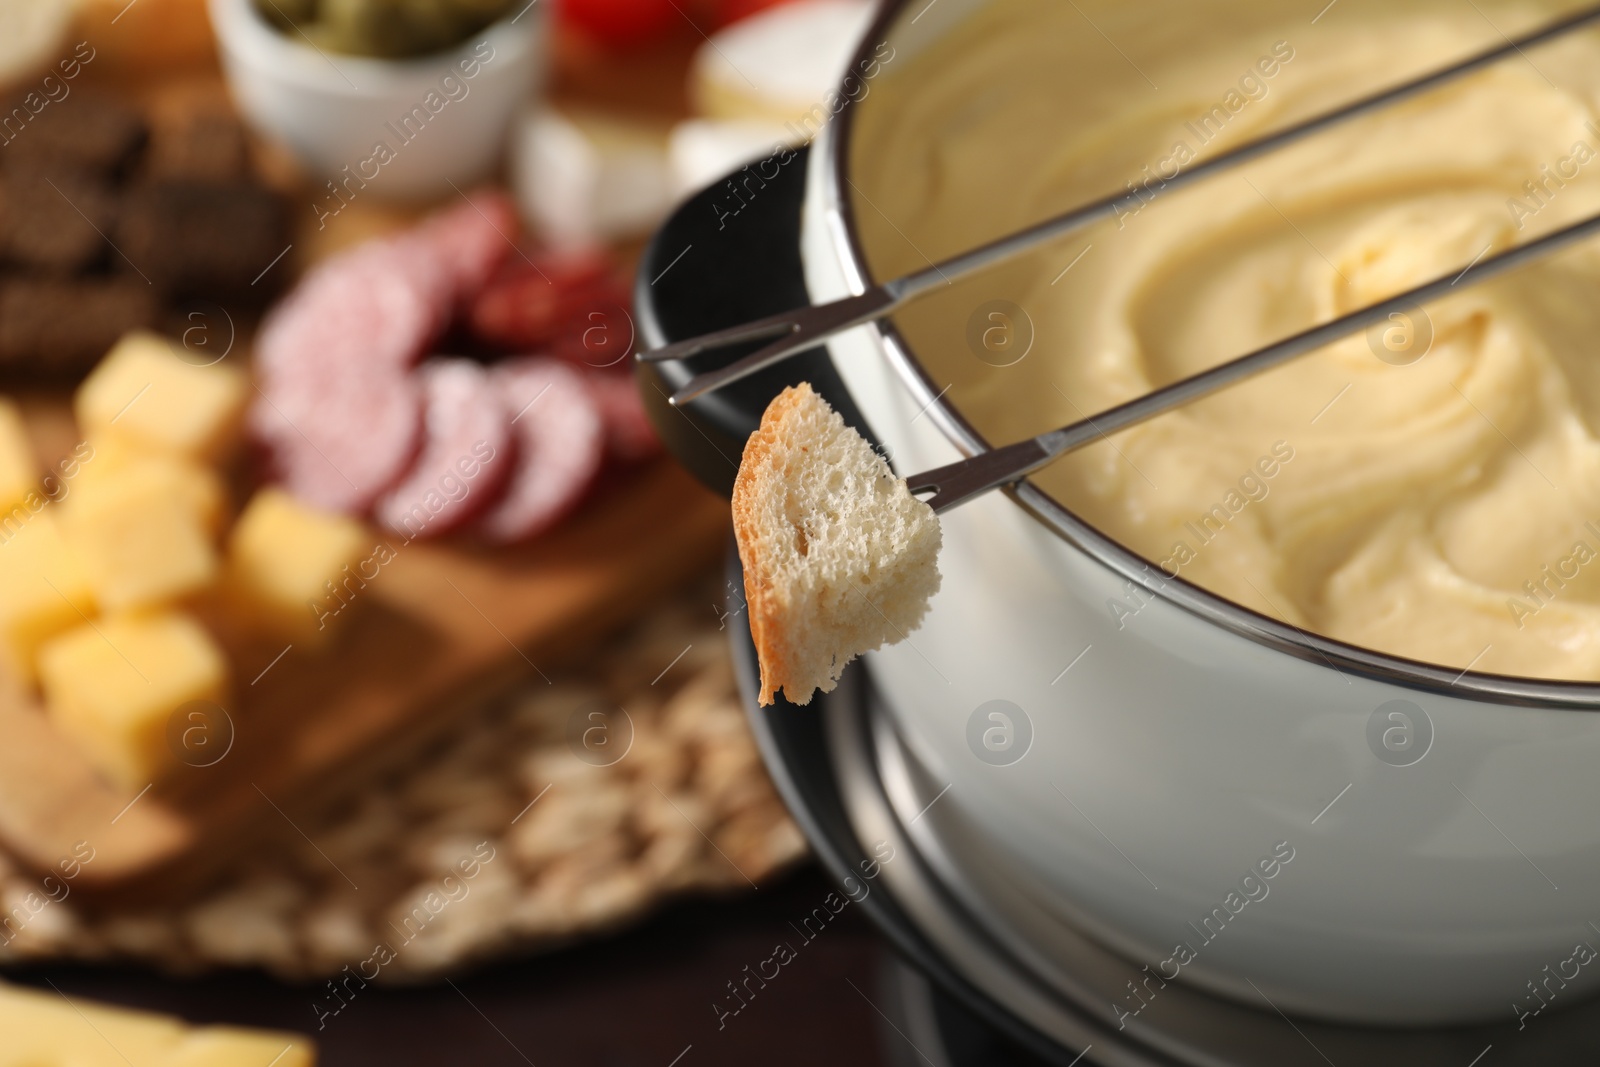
(560, 443)
(630, 435)
(337, 438)
(473, 239)
(466, 457)
(377, 306)
(338, 411)
(347, 422)
(532, 303)
(602, 334)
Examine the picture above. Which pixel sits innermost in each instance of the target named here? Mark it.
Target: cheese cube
(43, 1028)
(43, 591)
(19, 472)
(114, 684)
(223, 1046)
(149, 391)
(111, 460)
(138, 536)
(281, 556)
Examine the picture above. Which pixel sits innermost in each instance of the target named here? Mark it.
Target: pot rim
(1342, 657)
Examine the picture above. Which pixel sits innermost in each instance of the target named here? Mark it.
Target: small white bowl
(437, 123)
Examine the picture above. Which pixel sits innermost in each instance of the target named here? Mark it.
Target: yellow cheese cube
(220, 1046)
(149, 390)
(114, 459)
(138, 537)
(114, 684)
(43, 591)
(281, 556)
(42, 1028)
(19, 472)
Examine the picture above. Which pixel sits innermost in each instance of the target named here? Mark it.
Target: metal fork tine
(755, 362)
(770, 326)
(811, 325)
(959, 482)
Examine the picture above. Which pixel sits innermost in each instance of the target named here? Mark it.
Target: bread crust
(757, 474)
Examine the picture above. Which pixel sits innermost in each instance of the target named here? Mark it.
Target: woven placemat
(572, 806)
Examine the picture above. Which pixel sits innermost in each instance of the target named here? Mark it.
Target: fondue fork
(805, 327)
(959, 482)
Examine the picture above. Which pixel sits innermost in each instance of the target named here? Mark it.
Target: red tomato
(620, 23)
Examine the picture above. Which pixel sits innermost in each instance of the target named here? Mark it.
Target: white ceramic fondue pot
(1217, 796)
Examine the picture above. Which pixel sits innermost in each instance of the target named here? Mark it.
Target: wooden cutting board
(443, 627)
(440, 629)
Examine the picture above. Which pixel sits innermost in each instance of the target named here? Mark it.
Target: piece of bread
(839, 558)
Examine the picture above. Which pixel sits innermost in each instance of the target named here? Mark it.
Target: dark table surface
(641, 998)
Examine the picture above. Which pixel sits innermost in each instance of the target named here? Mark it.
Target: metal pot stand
(1015, 979)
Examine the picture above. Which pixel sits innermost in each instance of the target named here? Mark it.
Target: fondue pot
(1176, 830)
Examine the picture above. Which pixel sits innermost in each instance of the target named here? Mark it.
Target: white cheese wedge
(707, 151)
(584, 177)
(781, 65)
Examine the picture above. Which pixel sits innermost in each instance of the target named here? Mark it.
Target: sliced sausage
(338, 437)
(337, 410)
(560, 444)
(472, 239)
(377, 306)
(466, 457)
(533, 302)
(630, 435)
